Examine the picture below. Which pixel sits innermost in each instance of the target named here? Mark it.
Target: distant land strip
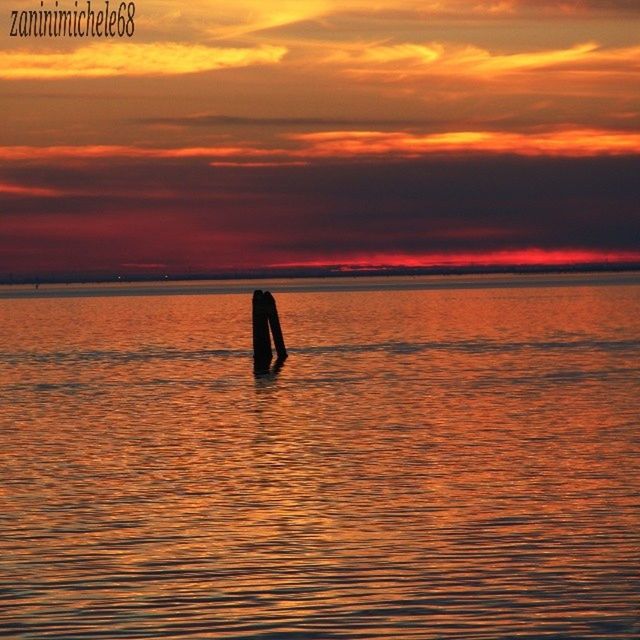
(337, 271)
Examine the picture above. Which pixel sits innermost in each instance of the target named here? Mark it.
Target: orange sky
(247, 134)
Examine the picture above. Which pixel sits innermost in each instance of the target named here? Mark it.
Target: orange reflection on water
(449, 461)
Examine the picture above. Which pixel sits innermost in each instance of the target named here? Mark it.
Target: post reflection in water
(432, 462)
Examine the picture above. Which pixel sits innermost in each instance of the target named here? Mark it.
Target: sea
(442, 457)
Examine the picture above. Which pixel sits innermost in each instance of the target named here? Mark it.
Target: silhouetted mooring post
(261, 339)
(265, 316)
(274, 323)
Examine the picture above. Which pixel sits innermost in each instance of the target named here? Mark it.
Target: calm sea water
(438, 458)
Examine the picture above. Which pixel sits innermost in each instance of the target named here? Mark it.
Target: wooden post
(262, 354)
(274, 323)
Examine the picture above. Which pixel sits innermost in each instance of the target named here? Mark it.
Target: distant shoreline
(319, 272)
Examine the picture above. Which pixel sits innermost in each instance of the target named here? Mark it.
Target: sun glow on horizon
(506, 258)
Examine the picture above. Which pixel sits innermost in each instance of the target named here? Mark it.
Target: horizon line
(329, 271)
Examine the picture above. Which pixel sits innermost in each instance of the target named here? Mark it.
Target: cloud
(351, 146)
(430, 207)
(404, 52)
(235, 18)
(507, 257)
(466, 9)
(564, 7)
(252, 15)
(129, 59)
(26, 191)
(230, 121)
(584, 83)
(401, 61)
(260, 165)
(580, 142)
(104, 152)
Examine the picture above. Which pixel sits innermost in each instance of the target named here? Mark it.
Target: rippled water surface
(438, 458)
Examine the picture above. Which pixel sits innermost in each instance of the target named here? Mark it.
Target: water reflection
(429, 464)
(271, 372)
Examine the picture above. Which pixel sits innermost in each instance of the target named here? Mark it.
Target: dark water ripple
(464, 346)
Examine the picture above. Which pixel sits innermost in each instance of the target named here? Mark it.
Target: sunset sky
(248, 134)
